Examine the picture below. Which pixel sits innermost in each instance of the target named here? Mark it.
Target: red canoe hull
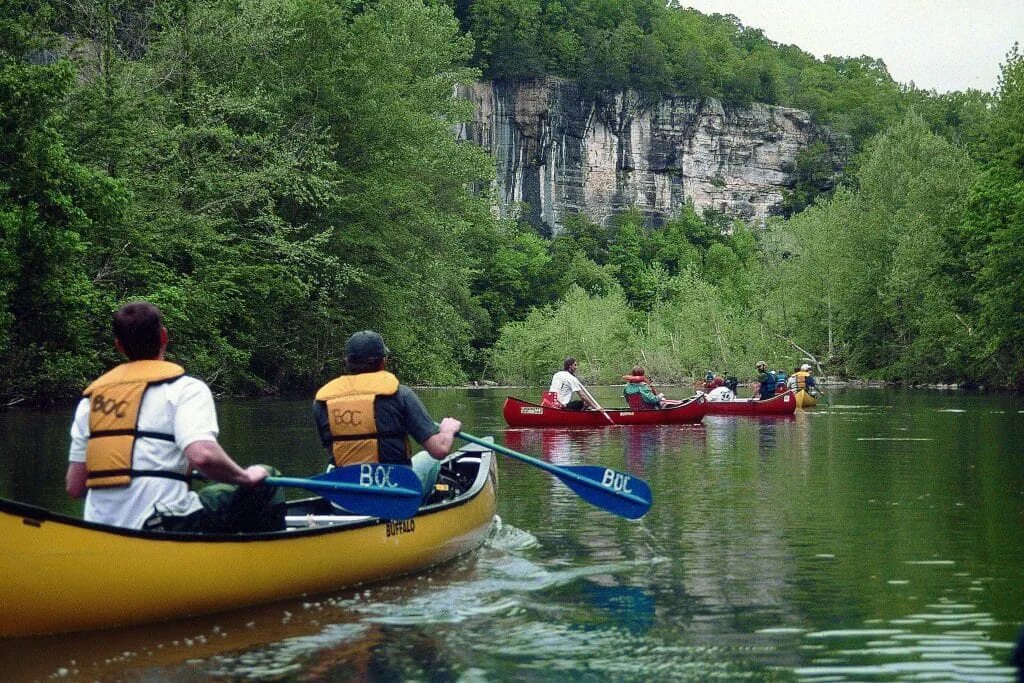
(519, 413)
(780, 404)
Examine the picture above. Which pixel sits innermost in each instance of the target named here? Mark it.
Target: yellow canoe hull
(61, 574)
(805, 400)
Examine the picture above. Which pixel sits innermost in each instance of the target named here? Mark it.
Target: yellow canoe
(62, 574)
(805, 400)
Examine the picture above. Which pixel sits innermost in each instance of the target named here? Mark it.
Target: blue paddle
(385, 491)
(617, 492)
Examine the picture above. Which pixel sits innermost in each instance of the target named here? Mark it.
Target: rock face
(560, 153)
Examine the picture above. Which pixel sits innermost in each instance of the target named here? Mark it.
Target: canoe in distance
(780, 404)
(520, 413)
(804, 399)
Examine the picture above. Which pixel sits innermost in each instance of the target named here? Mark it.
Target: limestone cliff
(559, 152)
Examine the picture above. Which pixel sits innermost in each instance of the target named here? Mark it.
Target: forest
(276, 174)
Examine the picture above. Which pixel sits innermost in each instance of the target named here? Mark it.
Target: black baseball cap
(365, 344)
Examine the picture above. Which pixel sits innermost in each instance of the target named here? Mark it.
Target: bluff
(560, 152)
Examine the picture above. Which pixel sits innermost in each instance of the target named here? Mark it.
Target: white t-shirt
(564, 383)
(184, 408)
(721, 394)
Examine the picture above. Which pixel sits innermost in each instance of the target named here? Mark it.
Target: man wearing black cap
(367, 415)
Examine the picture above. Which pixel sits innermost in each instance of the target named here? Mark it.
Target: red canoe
(780, 404)
(519, 413)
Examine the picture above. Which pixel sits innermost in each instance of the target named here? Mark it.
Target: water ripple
(956, 655)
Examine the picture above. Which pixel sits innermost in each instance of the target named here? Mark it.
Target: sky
(941, 45)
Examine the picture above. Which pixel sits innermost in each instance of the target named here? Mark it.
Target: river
(880, 537)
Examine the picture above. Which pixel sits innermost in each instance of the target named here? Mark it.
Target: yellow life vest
(114, 402)
(801, 379)
(349, 400)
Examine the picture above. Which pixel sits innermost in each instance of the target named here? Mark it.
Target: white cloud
(938, 44)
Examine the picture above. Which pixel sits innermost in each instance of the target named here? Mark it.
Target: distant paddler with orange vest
(640, 394)
(804, 380)
(367, 416)
(142, 427)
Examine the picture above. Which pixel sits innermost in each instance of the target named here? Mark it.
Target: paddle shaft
(604, 412)
(329, 486)
(340, 487)
(374, 489)
(560, 472)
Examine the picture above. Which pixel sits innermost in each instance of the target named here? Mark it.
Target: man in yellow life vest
(804, 380)
(367, 416)
(142, 427)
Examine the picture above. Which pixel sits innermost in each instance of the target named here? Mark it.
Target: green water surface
(878, 538)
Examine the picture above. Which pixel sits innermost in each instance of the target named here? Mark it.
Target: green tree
(594, 329)
(893, 314)
(993, 231)
(50, 209)
(507, 34)
(513, 277)
(294, 179)
(814, 174)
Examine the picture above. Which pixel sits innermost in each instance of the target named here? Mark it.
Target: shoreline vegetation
(831, 383)
(277, 175)
(825, 382)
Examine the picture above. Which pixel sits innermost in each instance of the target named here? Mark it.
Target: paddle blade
(378, 490)
(387, 491)
(614, 491)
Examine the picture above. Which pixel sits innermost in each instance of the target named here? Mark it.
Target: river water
(878, 538)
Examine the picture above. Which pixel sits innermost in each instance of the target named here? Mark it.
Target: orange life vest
(349, 401)
(801, 379)
(115, 399)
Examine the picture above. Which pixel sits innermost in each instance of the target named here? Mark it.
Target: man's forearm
(210, 459)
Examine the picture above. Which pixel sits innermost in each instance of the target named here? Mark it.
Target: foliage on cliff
(661, 49)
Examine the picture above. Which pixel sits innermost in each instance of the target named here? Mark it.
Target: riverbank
(825, 382)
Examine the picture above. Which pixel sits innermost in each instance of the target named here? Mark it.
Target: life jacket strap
(367, 437)
(130, 432)
(177, 476)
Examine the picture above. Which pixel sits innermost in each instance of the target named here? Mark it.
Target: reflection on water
(879, 538)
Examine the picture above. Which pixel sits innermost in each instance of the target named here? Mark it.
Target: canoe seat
(549, 399)
(637, 402)
(461, 467)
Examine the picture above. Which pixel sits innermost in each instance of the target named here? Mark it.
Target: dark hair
(137, 325)
(365, 364)
(568, 361)
(638, 371)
